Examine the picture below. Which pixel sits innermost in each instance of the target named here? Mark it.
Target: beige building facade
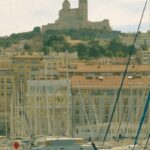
(48, 107)
(93, 101)
(7, 95)
(33, 104)
(146, 57)
(143, 56)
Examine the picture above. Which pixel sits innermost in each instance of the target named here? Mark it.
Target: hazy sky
(22, 15)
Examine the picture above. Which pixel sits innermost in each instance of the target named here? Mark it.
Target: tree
(27, 47)
(108, 53)
(37, 30)
(81, 49)
(95, 49)
(144, 47)
(57, 42)
(50, 39)
(117, 47)
(45, 50)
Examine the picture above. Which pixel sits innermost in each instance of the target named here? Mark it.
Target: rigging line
(94, 146)
(140, 111)
(145, 147)
(142, 119)
(84, 109)
(95, 114)
(123, 136)
(129, 118)
(122, 116)
(124, 75)
(103, 121)
(100, 130)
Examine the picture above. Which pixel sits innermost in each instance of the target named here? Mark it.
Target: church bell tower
(83, 7)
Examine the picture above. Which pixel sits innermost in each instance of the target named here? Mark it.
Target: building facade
(34, 103)
(7, 95)
(93, 102)
(143, 56)
(48, 107)
(146, 57)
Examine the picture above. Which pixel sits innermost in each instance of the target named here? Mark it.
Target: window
(2, 87)
(34, 61)
(110, 92)
(44, 89)
(2, 92)
(34, 68)
(126, 92)
(77, 111)
(125, 101)
(77, 119)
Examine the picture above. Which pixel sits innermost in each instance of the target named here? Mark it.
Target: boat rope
(142, 119)
(100, 130)
(129, 118)
(137, 115)
(125, 72)
(85, 112)
(145, 147)
(125, 131)
(94, 146)
(84, 109)
(95, 114)
(122, 116)
(102, 125)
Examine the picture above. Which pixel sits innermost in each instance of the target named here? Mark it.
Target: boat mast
(5, 105)
(47, 103)
(142, 119)
(67, 96)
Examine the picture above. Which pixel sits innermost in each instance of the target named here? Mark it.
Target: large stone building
(76, 18)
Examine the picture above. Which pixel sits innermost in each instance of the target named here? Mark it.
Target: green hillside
(89, 43)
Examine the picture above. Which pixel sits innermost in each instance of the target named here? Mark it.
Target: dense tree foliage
(94, 50)
(56, 40)
(7, 41)
(27, 47)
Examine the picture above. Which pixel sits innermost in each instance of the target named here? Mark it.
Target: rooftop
(107, 82)
(107, 68)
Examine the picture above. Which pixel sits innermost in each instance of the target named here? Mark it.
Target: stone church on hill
(75, 18)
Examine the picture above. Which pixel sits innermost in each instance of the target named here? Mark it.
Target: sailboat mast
(67, 96)
(5, 103)
(47, 103)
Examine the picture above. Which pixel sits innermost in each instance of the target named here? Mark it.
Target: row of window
(6, 84)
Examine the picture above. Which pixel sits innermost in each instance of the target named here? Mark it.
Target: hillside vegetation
(88, 43)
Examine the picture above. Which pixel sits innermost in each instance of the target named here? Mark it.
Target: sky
(23, 15)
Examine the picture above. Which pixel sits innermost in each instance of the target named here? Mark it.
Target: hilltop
(89, 43)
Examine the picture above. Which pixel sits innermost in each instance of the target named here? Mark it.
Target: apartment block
(93, 102)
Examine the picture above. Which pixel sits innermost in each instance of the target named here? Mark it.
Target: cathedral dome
(66, 5)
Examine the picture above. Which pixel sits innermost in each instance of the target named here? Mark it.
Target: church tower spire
(83, 7)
